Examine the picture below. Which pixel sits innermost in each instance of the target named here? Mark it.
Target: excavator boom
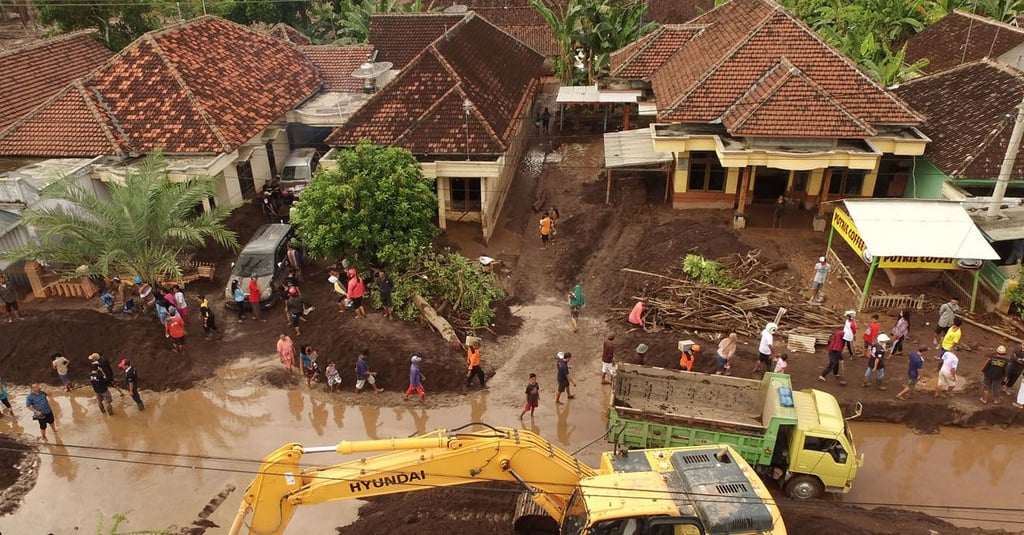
(437, 459)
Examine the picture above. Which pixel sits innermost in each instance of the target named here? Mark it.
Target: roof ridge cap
(987, 20)
(104, 125)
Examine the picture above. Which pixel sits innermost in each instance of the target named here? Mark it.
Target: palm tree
(145, 228)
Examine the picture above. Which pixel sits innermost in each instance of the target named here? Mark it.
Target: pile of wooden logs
(681, 304)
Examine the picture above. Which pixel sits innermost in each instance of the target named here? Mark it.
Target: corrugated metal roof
(632, 148)
(590, 94)
(905, 227)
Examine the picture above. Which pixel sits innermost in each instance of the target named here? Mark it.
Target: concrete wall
(925, 181)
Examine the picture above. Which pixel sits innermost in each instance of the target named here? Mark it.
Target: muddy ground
(594, 241)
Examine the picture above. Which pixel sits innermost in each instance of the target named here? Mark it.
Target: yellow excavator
(694, 490)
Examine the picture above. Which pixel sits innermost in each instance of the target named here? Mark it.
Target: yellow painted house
(752, 104)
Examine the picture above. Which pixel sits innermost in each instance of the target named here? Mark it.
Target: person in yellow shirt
(952, 337)
(545, 230)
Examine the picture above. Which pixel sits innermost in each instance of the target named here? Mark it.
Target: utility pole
(1008, 162)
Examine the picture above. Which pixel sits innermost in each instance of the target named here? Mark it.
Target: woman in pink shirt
(286, 350)
(356, 291)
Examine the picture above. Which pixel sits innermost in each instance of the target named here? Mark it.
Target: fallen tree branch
(439, 324)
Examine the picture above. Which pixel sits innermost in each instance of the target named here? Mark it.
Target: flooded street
(973, 469)
(164, 465)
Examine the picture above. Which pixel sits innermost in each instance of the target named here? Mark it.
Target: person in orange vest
(473, 359)
(688, 357)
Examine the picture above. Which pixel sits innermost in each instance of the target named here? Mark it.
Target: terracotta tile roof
(968, 109)
(524, 23)
(289, 34)
(677, 11)
(641, 58)
(36, 72)
(398, 41)
(422, 108)
(961, 38)
(336, 64)
(770, 102)
(71, 124)
(205, 86)
(741, 40)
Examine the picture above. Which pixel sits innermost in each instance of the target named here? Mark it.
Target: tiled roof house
(35, 72)
(961, 38)
(289, 34)
(336, 63)
(970, 109)
(207, 89)
(750, 100)
(461, 103)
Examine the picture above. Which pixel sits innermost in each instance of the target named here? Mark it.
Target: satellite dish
(369, 71)
(457, 8)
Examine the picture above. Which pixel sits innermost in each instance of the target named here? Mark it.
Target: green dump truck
(798, 438)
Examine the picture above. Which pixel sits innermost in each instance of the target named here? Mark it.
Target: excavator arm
(437, 459)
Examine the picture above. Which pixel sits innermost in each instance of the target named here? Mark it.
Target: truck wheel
(804, 488)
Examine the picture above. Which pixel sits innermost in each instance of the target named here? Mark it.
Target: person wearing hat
(638, 357)
(101, 386)
(821, 271)
(563, 378)
(473, 360)
(993, 372)
(876, 362)
(364, 374)
(688, 357)
(850, 330)
(416, 379)
(765, 347)
(131, 378)
(103, 363)
(356, 291)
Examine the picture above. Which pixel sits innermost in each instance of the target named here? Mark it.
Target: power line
(819, 505)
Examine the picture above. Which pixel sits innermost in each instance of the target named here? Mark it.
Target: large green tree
(146, 228)
(588, 31)
(377, 205)
(117, 23)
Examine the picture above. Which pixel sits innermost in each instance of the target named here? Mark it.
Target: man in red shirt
(835, 357)
(174, 328)
(254, 297)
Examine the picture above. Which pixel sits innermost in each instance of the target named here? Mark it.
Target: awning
(632, 148)
(591, 94)
(918, 228)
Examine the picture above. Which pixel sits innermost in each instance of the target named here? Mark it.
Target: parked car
(300, 165)
(265, 256)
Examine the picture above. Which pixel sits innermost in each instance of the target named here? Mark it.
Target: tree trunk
(439, 324)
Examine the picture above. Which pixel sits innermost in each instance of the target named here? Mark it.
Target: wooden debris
(800, 342)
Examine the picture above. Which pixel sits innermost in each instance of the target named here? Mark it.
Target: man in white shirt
(947, 374)
(764, 349)
(821, 271)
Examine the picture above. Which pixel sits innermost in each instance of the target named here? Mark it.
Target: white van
(300, 165)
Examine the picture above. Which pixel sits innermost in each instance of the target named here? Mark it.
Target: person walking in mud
(876, 362)
(915, 362)
(532, 396)
(554, 222)
(821, 271)
(60, 365)
(238, 296)
(39, 403)
(766, 347)
(993, 372)
(10, 300)
(386, 286)
(131, 378)
(473, 361)
(835, 365)
(850, 330)
(174, 328)
(545, 231)
(4, 400)
(208, 319)
(608, 360)
(1014, 368)
(255, 298)
(286, 352)
(416, 379)
(779, 212)
(101, 386)
(356, 291)
(564, 379)
(545, 120)
(947, 314)
(576, 304)
(108, 370)
(364, 375)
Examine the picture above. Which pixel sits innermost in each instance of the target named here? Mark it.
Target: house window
(846, 181)
(465, 194)
(706, 174)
